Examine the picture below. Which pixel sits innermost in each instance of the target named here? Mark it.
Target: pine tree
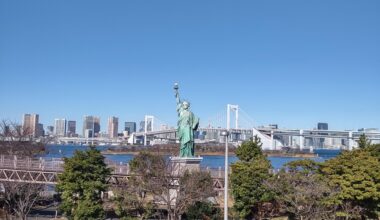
(357, 176)
(81, 183)
(363, 141)
(248, 177)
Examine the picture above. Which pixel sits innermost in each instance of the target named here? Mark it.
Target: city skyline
(114, 127)
(295, 65)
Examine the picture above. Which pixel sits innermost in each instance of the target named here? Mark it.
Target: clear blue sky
(294, 63)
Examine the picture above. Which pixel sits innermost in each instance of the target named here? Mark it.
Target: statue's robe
(187, 123)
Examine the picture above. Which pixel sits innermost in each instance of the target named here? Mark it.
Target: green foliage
(203, 210)
(247, 178)
(357, 176)
(81, 183)
(364, 142)
(249, 150)
(306, 166)
(301, 190)
(374, 150)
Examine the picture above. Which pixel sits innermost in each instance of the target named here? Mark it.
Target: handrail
(14, 162)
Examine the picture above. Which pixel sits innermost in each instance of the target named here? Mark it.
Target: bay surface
(214, 161)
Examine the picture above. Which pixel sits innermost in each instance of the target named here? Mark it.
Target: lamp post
(225, 134)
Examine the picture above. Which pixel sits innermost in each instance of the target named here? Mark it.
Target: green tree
(203, 210)
(364, 142)
(374, 149)
(81, 183)
(248, 177)
(250, 150)
(356, 174)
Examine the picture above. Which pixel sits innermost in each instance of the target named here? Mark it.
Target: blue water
(208, 161)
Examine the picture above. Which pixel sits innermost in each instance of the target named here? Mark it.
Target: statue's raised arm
(179, 103)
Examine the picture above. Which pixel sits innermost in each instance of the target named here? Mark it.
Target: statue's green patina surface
(187, 124)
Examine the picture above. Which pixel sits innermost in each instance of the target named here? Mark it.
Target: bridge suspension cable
(245, 120)
(216, 121)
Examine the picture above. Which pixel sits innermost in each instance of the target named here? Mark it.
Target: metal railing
(14, 162)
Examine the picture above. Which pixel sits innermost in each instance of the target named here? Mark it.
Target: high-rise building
(50, 130)
(323, 126)
(88, 133)
(130, 127)
(40, 130)
(30, 124)
(91, 123)
(71, 128)
(60, 127)
(113, 125)
(96, 126)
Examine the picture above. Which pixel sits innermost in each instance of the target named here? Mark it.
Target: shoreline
(286, 155)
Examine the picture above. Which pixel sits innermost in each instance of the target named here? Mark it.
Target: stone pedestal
(181, 164)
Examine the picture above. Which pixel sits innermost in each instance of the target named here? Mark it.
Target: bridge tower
(234, 108)
(147, 119)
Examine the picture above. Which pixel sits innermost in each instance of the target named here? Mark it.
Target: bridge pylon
(234, 108)
(147, 119)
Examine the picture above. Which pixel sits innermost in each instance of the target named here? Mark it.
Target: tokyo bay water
(211, 161)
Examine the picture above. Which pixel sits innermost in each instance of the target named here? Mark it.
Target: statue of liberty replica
(187, 124)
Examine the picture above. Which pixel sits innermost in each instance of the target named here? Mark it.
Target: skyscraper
(71, 128)
(30, 124)
(40, 130)
(113, 125)
(60, 127)
(96, 126)
(91, 123)
(130, 127)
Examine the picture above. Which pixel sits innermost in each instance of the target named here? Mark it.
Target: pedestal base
(181, 164)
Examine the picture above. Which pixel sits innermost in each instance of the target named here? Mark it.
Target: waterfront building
(323, 126)
(320, 142)
(40, 130)
(50, 130)
(113, 125)
(71, 128)
(125, 134)
(88, 133)
(60, 127)
(91, 123)
(130, 127)
(103, 134)
(368, 130)
(30, 124)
